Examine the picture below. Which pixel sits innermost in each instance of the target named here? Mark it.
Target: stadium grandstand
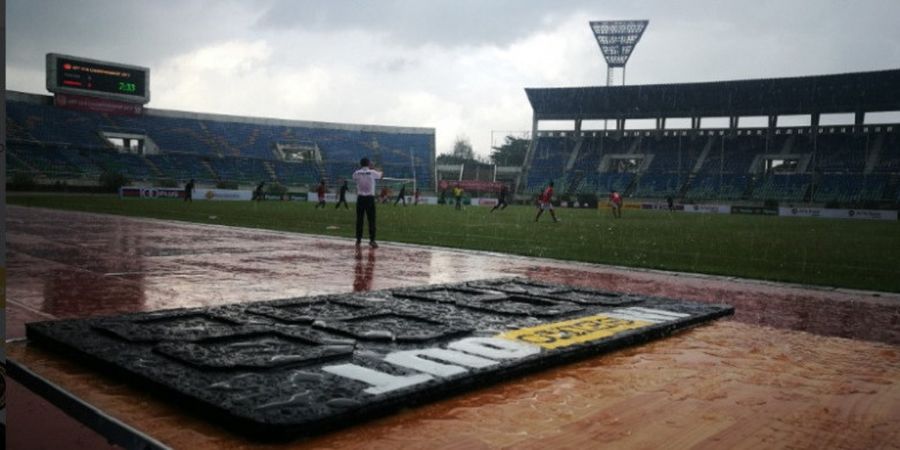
(51, 144)
(788, 140)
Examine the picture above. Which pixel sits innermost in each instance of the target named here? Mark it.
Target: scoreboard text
(66, 74)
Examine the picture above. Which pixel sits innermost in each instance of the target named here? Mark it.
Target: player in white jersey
(365, 178)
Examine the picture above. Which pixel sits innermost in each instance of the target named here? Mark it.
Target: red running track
(67, 265)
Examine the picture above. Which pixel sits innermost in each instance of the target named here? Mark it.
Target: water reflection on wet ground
(772, 373)
(76, 265)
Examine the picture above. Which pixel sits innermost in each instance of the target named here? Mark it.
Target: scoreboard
(82, 76)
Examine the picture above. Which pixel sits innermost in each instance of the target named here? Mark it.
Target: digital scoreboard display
(82, 76)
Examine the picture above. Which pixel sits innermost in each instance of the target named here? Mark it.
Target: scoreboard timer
(83, 76)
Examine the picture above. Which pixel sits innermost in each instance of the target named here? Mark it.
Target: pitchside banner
(471, 185)
(866, 214)
(199, 194)
(662, 206)
(302, 366)
(708, 209)
(331, 197)
(754, 210)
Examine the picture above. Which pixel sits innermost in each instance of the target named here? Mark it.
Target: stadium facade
(853, 162)
(49, 143)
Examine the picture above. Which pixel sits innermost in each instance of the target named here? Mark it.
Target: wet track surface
(795, 366)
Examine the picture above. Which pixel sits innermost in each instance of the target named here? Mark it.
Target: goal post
(394, 185)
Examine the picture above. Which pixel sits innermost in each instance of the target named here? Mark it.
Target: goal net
(390, 188)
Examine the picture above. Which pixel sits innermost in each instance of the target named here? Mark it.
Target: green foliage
(511, 153)
(462, 153)
(449, 159)
(845, 253)
(462, 149)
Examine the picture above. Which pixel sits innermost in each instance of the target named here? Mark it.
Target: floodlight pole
(617, 39)
(412, 163)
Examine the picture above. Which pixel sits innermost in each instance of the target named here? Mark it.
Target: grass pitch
(844, 253)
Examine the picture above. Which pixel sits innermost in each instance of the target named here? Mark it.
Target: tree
(511, 153)
(446, 158)
(462, 153)
(462, 149)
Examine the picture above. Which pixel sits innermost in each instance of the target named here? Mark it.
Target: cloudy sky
(458, 66)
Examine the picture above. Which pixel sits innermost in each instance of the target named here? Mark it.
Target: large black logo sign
(301, 366)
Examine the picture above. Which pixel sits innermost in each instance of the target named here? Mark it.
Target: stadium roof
(842, 93)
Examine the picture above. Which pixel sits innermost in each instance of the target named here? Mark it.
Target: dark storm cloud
(835, 35)
(131, 31)
(784, 36)
(415, 22)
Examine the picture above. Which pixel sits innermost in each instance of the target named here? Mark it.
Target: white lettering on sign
(464, 355)
(495, 348)
(381, 382)
(413, 359)
(645, 314)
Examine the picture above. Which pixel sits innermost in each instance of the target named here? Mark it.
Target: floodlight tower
(617, 39)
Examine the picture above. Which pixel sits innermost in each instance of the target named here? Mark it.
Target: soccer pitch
(855, 254)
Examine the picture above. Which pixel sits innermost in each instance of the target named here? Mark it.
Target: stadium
(847, 163)
(748, 296)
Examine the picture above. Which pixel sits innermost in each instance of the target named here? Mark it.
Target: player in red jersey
(545, 203)
(321, 193)
(615, 203)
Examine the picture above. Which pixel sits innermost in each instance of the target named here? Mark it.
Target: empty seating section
(840, 153)
(836, 165)
(549, 161)
(850, 188)
(48, 161)
(50, 125)
(783, 187)
(242, 139)
(889, 161)
(133, 167)
(243, 170)
(843, 165)
(732, 155)
(670, 154)
(605, 182)
(717, 187)
(658, 185)
(233, 150)
(592, 151)
(183, 167)
(296, 173)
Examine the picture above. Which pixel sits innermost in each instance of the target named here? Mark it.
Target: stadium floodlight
(617, 39)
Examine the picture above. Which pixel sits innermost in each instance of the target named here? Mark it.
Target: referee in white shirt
(365, 199)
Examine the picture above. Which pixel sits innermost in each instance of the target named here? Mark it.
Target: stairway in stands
(217, 142)
(575, 183)
(271, 171)
(209, 168)
(153, 167)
